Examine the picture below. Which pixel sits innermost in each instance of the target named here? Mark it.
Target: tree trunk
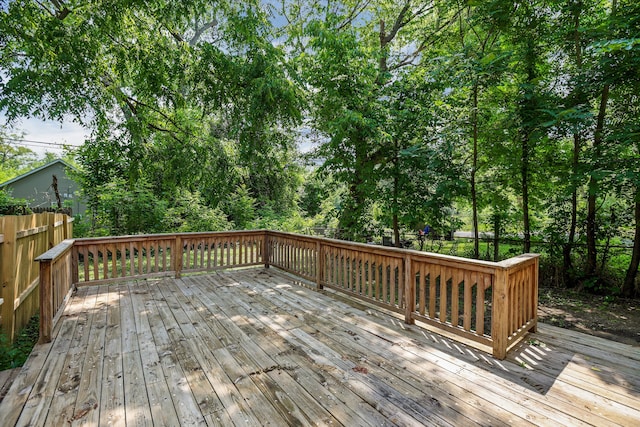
(593, 186)
(568, 246)
(598, 138)
(350, 221)
(579, 98)
(474, 167)
(396, 231)
(628, 286)
(525, 195)
(496, 237)
(528, 115)
(396, 189)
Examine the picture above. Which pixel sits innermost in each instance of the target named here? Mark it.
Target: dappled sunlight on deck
(252, 347)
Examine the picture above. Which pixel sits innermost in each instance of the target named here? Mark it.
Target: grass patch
(14, 356)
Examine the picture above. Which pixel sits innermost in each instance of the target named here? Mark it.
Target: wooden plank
(112, 398)
(13, 403)
(127, 320)
(443, 294)
(192, 394)
(248, 391)
(524, 396)
(480, 305)
(422, 286)
(137, 406)
(140, 258)
(144, 312)
(114, 261)
(197, 313)
(87, 408)
(104, 256)
(37, 405)
(85, 262)
(112, 385)
(456, 278)
(163, 412)
(123, 260)
(314, 354)
(60, 409)
(183, 400)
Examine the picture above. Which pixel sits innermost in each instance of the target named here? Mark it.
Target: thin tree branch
(46, 8)
(163, 130)
(408, 59)
(201, 30)
(358, 8)
(400, 22)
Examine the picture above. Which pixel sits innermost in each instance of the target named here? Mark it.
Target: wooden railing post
(409, 291)
(176, 255)
(266, 253)
(535, 293)
(319, 265)
(500, 314)
(46, 301)
(75, 264)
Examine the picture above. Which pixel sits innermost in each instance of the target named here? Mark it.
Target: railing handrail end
(56, 251)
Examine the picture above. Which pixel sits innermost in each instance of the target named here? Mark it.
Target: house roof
(31, 172)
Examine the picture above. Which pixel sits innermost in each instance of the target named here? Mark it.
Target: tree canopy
(518, 118)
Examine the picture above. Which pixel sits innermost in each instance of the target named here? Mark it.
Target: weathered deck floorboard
(253, 347)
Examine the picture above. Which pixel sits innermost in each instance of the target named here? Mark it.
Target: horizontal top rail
(164, 236)
(397, 252)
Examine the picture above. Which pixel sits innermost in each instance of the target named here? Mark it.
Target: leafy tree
(179, 94)
(190, 213)
(124, 211)
(241, 207)
(14, 159)
(10, 205)
(314, 190)
(621, 144)
(352, 99)
(479, 60)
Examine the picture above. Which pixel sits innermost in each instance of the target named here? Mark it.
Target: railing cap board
(165, 236)
(417, 255)
(518, 260)
(57, 251)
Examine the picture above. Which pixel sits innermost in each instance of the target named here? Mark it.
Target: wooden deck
(253, 347)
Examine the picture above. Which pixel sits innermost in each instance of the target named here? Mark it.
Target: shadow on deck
(253, 347)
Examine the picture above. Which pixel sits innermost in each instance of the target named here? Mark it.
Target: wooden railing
(493, 304)
(56, 283)
(104, 260)
(22, 239)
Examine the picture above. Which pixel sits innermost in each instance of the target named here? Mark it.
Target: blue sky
(48, 132)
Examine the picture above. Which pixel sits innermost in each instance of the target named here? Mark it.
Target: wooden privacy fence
(22, 239)
(493, 304)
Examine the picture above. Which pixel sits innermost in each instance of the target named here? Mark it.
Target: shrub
(13, 356)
